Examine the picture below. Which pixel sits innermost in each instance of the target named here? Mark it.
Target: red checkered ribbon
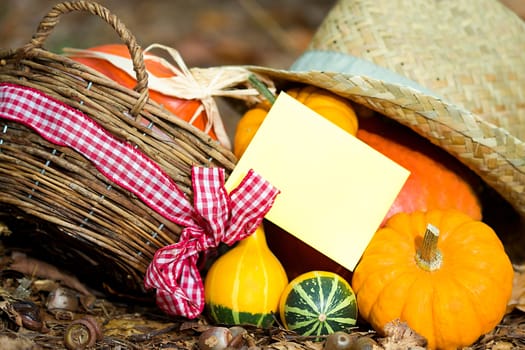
(214, 217)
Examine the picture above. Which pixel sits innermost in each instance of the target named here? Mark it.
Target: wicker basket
(80, 215)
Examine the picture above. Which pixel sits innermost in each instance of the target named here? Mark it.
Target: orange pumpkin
(444, 274)
(331, 106)
(436, 181)
(247, 127)
(182, 108)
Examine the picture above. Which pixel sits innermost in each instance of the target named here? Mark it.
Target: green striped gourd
(244, 285)
(318, 303)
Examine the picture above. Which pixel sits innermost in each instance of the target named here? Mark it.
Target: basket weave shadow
(110, 232)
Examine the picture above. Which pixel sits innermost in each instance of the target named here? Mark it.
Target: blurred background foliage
(207, 33)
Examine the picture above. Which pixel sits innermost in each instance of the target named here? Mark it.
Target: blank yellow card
(335, 189)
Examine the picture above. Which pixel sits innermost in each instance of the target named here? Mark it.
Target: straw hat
(453, 71)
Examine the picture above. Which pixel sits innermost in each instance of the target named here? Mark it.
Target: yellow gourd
(244, 285)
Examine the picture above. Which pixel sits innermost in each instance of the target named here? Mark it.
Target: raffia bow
(203, 84)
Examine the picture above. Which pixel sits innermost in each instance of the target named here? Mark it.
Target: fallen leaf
(517, 300)
(131, 325)
(399, 336)
(34, 267)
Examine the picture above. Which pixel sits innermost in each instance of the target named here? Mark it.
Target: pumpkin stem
(429, 257)
(263, 89)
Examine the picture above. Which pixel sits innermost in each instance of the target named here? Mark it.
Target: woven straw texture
(468, 52)
(94, 221)
(471, 53)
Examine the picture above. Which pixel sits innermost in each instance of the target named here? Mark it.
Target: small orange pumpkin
(188, 110)
(331, 106)
(247, 127)
(444, 274)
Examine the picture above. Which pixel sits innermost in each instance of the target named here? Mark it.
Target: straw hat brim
(452, 71)
(469, 53)
(490, 151)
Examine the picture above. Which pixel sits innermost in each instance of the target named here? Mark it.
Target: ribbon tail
(176, 278)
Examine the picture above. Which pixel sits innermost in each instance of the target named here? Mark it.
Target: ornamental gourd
(244, 285)
(444, 274)
(331, 106)
(188, 110)
(318, 303)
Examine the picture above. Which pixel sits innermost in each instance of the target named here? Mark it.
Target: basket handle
(48, 23)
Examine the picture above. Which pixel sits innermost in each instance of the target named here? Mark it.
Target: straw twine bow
(195, 83)
(214, 217)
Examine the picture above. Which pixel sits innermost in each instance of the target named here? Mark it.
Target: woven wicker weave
(453, 71)
(103, 225)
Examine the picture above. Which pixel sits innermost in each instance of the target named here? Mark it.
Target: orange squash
(436, 181)
(444, 274)
(182, 108)
(331, 106)
(247, 127)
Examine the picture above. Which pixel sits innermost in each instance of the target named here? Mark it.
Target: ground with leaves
(38, 312)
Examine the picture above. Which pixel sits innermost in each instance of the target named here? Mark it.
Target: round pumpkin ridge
(332, 107)
(451, 301)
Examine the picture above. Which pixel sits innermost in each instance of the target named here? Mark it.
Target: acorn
(215, 338)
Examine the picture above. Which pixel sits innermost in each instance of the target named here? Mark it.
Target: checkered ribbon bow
(220, 217)
(215, 216)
